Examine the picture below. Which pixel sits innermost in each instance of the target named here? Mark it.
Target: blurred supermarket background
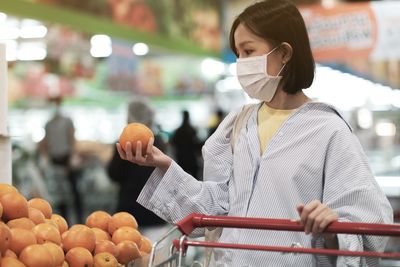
(99, 54)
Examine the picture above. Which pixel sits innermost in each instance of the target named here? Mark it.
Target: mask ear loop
(284, 64)
(270, 52)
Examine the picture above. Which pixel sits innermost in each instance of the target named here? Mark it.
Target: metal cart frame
(186, 226)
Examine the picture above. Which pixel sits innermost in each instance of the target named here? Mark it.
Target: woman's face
(248, 45)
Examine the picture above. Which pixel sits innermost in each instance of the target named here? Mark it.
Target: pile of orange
(31, 235)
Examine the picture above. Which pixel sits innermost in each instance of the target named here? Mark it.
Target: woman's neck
(283, 100)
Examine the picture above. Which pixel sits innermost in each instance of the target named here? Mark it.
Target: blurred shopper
(122, 171)
(187, 146)
(58, 144)
(285, 157)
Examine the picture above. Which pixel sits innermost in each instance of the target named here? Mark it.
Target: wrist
(165, 164)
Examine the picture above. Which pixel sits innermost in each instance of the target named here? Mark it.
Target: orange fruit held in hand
(135, 132)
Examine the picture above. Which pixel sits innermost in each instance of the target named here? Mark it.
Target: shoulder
(326, 115)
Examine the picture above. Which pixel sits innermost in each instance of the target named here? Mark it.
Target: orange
(52, 223)
(104, 259)
(106, 246)
(11, 262)
(120, 219)
(36, 256)
(78, 257)
(45, 232)
(82, 237)
(79, 226)
(135, 132)
(56, 251)
(14, 205)
(35, 215)
(145, 245)
(100, 234)
(127, 252)
(127, 233)
(24, 223)
(60, 221)
(20, 239)
(1, 210)
(10, 253)
(6, 188)
(5, 238)
(42, 205)
(98, 219)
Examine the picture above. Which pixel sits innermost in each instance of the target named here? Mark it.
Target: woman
(294, 158)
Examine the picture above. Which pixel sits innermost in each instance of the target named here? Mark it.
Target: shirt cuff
(158, 193)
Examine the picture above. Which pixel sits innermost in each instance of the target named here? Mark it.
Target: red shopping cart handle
(333, 252)
(196, 220)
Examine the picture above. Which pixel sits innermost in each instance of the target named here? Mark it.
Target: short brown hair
(278, 21)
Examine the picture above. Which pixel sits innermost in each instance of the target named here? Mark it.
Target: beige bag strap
(212, 235)
(241, 121)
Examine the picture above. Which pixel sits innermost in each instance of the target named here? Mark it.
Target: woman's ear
(287, 52)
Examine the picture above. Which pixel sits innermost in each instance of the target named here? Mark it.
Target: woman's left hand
(316, 216)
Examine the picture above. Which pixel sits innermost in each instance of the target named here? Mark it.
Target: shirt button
(280, 134)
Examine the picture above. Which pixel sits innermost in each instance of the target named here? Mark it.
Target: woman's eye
(248, 52)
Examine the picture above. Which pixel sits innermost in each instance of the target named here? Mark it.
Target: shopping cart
(177, 238)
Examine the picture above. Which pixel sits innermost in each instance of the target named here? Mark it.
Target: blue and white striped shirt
(313, 155)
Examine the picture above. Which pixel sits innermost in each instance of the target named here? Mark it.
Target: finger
(328, 219)
(299, 209)
(307, 209)
(149, 149)
(128, 151)
(121, 152)
(318, 216)
(138, 154)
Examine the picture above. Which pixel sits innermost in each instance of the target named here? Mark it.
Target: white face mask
(256, 82)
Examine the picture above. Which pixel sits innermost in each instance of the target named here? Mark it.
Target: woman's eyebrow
(244, 42)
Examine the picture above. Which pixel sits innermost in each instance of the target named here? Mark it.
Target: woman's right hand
(154, 157)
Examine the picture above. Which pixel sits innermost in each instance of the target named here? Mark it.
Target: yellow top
(269, 120)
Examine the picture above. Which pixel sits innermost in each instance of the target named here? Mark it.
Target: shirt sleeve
(352, 191)
(176, 194)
